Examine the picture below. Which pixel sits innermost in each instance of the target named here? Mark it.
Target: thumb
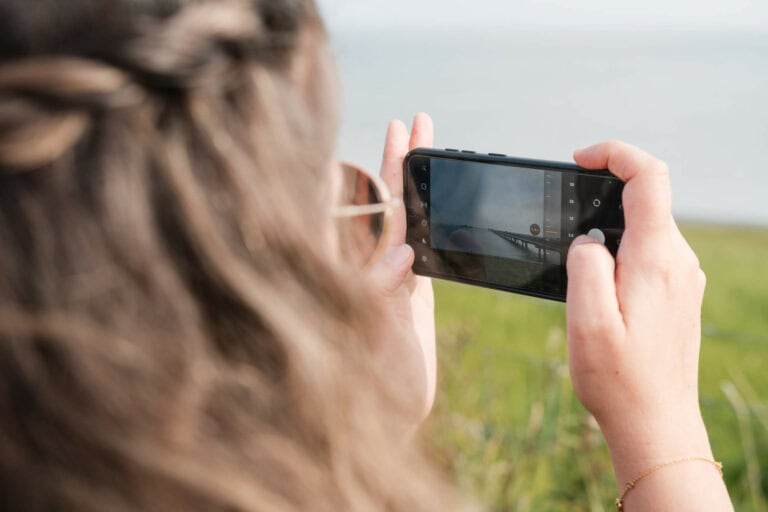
(591, 297)
(391, 271)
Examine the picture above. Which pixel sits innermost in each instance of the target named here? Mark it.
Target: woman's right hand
(634, 330)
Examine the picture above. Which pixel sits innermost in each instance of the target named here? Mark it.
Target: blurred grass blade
(754, 477)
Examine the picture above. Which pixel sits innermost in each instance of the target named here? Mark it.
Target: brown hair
(174, 334)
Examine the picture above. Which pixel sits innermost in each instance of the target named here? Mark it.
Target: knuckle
(613, 149)
(667, 274)
(595, 327)
(661, 176)
(614, 145)
(674, 271)
(688, 261)
(677, 267)
(661, 168)
(693, 261)
(701, 279)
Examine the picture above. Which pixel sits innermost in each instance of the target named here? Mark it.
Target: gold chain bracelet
(632, 483)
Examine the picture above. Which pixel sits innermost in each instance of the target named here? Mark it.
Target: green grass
(510, 430)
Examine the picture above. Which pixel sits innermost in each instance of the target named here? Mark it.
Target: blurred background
(686, 80)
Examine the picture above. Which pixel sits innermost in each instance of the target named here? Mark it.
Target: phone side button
(496, 154)
(451, 149)
(468, 151)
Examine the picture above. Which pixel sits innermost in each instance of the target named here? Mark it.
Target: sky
(573, 14)
(684, 79)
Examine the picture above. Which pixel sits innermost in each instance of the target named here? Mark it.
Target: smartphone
(503, 222)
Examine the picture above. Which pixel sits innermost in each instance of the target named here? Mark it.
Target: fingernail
(581, 240)
(398, 256)
(587, 149)
(580, 152)
(391, 125)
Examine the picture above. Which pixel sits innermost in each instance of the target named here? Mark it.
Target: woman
(181, 326)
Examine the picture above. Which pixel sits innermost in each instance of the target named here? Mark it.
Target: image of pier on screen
(494, 210)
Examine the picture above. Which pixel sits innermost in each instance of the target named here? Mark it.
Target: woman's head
(174, 331)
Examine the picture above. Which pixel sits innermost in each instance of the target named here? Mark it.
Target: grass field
(509, 428)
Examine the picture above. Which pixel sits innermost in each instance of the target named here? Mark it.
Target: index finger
(395, 148)
(647, 198)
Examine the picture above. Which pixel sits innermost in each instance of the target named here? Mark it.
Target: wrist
(638, 444)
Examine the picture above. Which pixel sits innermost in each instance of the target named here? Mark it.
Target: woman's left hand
(408, 299)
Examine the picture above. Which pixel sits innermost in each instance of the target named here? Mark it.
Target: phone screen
(504, 224)
(485, 209)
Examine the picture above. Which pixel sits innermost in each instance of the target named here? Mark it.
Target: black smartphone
(503, 222)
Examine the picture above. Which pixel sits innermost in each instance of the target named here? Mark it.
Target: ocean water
(699, 101)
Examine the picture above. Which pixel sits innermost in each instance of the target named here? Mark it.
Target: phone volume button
(496, 154)
(468, 151)
(452, 150)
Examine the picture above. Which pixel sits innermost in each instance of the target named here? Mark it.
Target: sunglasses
(363, 215)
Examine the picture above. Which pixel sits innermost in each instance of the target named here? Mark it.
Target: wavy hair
(174, 334)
